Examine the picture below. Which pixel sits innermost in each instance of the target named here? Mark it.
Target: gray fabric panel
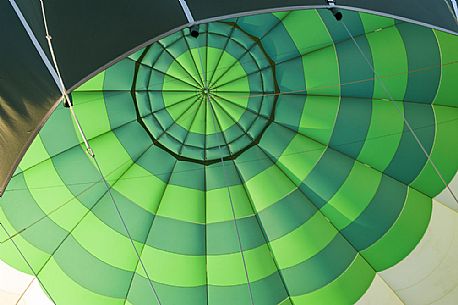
(27, 90)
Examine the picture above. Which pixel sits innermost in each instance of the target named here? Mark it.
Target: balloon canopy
(88, 36)
(278, 158)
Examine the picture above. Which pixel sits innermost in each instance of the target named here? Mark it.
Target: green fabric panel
(163, 164)
(322, 72)
(303, 243)
(423, 57)
(228, 270)
(31, 213)
(99, 240)
(9, 251)
(119, 76)
(218, 206)
(182, 204)
(222, 237)
(66, 290)
(447, 45)
(288, 110)
(119, 107)
(137, 220)
(269, 291)
(356, 76)
(142, 294)
(37, 153)
(286, 215)
(137, 177)
(404, 235)
(276, 139)
(349, 202)
(369, 226)
(326, 177)
(300, 157)
(252, 162)
(390, 64)
(312, 190)
(173, 269)
(286, 302)
(383, 135)
(87, 103)
(345, 290)
(311, 20)
(70, 251)
(64, 209)
(410, 158)
(375, 23)
(48, 133)
(318, 118)
(443, 153)
(177, 236)
(321, 269)
(352, 125)
(273, 185)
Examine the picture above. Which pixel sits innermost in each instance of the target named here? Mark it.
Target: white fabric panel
(446, 197)
(429, 275)
(379, 293)
(13, 283)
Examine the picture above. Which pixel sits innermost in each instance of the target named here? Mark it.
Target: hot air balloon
(230, 153)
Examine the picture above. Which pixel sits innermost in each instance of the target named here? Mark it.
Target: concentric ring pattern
(208, 98)
(327, 183)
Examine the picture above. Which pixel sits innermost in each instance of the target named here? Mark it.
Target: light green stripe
(319, 116)
(93, 84)
(268, 187)
(53, 196)
(100, 240)
(404, 235)
(138, 178)
(183, 203)
(10, 254)
(173, 269)
(111, 156)
(299, 158)
(446, 94)
(36, 153)
(226, 270)
(219, 209)
(444, 153)
(66, 291)
(304, 242)
(349, 201)
(345, 290)
(381, 134)
(92, 113)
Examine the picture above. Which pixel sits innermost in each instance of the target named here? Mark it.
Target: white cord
(400, 111)
(62, 88)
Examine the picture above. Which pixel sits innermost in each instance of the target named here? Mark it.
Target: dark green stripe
(327, 176)
(409, 158)
(368, 227)
(321, 269)
(75, 261)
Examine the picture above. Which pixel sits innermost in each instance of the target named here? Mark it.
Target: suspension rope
(25, 291)
(91, 152)
(232, 208)
(417, 139)
(27, 262)
(237, 230)
(453, 9)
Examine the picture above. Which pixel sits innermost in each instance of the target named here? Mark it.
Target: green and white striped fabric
(280, 120)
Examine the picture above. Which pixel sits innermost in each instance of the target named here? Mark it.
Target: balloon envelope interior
(269, 161)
